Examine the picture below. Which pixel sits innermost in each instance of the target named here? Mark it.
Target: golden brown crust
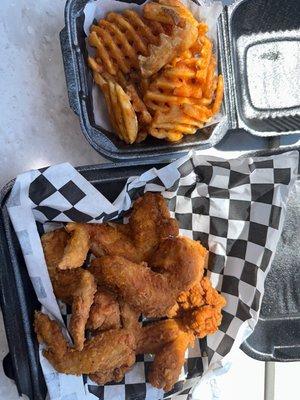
(75, 286)
(104, 352)
(180, 264)
(104, 312)
(169, 361)
(77, 247)
(154, 336)
(149, 223)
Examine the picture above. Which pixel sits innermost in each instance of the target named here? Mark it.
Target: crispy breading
(106, 351)
(75, 286)
(149, 223)
(104, 312)
(154, 336)
(168, 362)
(180, 262)
(76, 249)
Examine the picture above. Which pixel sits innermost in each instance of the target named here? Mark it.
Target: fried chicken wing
(104, 312)
(129, 319)
(168, 362)
(154, 336)
(106, 351)
(76, 286)
(112, 238)
(153, 293)
(149, 223)
(77, 247)
(183, 258)
(115, 375)
(138, 285)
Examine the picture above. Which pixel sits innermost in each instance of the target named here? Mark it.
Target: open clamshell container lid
(260, 54)
(259, 46)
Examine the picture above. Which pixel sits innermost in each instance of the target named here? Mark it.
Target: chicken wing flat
(154, 336)
(129, 321)
(106, 351)
(153, 293)
(115, 375)
(104, 312)
(76, 287)
(137, 285)
(112, 238)
(77, 247)
(168, 362)
(181, 257)
(149, 223)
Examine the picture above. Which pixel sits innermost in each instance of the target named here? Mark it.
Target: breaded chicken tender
(76, 286)
(180, 262)
(106, 351)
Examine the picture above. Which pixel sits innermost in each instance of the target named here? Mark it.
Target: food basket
(258, 55)
(18, 299)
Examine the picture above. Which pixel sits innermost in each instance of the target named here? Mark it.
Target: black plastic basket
(276, 336)
(251, 19)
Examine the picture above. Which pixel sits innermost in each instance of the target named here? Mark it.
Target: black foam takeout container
(259, 47)
(276, 336)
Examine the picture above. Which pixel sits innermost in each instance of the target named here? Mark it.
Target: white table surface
(38, 128)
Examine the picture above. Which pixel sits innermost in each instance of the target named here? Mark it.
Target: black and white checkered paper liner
(234, 207)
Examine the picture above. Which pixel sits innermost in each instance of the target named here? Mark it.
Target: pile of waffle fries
(157, 71)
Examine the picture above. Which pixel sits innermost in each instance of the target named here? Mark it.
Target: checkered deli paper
(234, 207)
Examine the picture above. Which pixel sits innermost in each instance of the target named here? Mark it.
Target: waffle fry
(173, 124)
(157, 71)
(120, 110)
(183, 36)
(190, 84)
(119, 39)
(138, 105)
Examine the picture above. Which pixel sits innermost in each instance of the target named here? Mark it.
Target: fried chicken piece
(138, 285)
(130, 322)
(112, 238)
(75, 287)
(183, 258)
(168, 362)
(180, 264)
(149, 223)
(154, 336)
(77, 247)
(130, 318)
(203, 321)
(115, 375)
(200, 308)
(106, 351)
(104, 312)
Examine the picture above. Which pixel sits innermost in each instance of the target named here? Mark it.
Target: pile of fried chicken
(144, 268)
